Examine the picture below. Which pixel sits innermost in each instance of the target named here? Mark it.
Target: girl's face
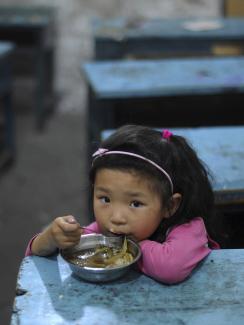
(125, 203)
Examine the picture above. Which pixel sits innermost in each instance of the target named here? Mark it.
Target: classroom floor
(48, 179)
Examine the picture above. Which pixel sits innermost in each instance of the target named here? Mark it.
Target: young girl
(150, 186)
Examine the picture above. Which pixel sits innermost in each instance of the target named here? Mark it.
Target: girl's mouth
(112, 233)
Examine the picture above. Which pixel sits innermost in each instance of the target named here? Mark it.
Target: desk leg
(92, 124)
(50, 98)
(39, 102)
(45, 86)
(100, 117)
(10, 129)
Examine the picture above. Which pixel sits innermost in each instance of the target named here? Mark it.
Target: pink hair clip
(166, 134)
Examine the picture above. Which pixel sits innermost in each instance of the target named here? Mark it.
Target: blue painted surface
(214, 294)
(123, 36)
(222, 149)
(230, 28)
(25, 16)
(168, 77)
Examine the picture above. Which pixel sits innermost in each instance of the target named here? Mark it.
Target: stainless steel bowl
(100, 274)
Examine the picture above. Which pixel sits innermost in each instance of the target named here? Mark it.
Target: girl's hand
(63, 232)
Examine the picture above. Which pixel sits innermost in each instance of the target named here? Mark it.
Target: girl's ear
(175, 201)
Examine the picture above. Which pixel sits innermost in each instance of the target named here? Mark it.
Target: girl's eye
(136, 204)
(104, 199)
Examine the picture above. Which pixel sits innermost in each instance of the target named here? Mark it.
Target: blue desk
(222, 149)
(31, 28)
(124, 36)
(49, 294)
(172, 92)
(168, 77)
(7, 139)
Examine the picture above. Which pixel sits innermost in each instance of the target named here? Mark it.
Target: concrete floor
(48, 179)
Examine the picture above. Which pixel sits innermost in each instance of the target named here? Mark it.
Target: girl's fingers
(68, 236)
(67, 245)
(66, 231)
(69, 224)
(67, 241)
(70, 219)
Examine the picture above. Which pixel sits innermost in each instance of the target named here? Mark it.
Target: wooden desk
(47, 293)
(172, 92)
(222, 149)
(7, 136)
(131, 37)
(32, 30)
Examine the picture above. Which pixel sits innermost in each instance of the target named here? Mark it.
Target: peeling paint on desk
(168, 77)
(213, 294)
(117, 38)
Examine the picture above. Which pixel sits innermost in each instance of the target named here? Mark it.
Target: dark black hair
(189, 174)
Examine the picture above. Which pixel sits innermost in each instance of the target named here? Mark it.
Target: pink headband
(101, 152)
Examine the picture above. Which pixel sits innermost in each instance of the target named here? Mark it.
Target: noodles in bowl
(99, 258)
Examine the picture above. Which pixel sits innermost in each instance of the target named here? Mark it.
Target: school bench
(173, 92)
(139, 37)
(31, 28)
(7, 129)
(48, 293)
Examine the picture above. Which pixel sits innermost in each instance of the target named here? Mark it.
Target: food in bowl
(112, 257)
(103, 256)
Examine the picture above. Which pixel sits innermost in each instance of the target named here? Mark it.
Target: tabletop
(26, 16)
(122, 28)
(50, 294)
(159, 37)
(167, 77)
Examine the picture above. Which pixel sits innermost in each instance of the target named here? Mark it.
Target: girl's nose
(118, 218)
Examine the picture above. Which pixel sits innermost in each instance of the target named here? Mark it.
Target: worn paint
(229, 28)
(121, 37)
(168, 77)
(214, 294)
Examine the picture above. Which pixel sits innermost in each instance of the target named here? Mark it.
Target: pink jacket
(173, 260)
